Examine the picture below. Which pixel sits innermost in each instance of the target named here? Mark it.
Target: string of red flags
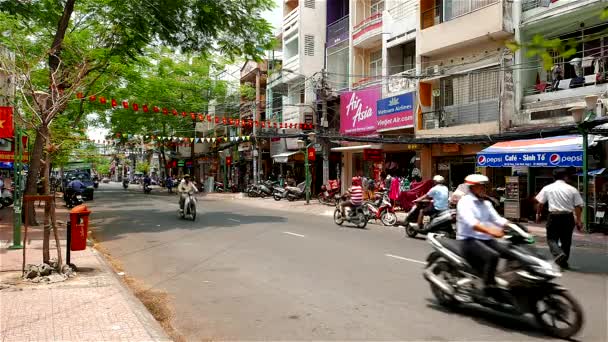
(194, 116)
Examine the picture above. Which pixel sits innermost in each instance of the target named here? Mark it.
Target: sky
(274, 16)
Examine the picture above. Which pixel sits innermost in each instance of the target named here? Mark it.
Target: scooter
(147, 189)
(219, 187)
(72, 198)
(6, 198)
(125, 183)
(524, 285)
(357, 215)
(295, 192)
(330, 194)
(189, 211)
(279, 192)
(381, 209)
(440, 222)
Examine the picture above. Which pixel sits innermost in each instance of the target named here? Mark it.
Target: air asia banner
(396, 112)
(532, 159)
(358, 111)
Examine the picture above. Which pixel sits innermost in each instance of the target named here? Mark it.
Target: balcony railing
(291, 19)
(367, 24)
(527, 5)
(402, 81)
(367, 82)
(337, 32)
(454, 9)
(431, 17)
(403, 10)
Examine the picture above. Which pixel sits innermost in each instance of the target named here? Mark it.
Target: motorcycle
(279, 192)
(265, 188)
(147, 189)
(125, 183)
(72, 198)
(95, 182)
(381, 209)
(443, 221)
(189, 211)
(295, 192)
(219, 187)
(6, 198)
(330, 194)
(357, 215)
(525, 283)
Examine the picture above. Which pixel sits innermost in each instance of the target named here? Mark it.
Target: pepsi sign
(532, 159)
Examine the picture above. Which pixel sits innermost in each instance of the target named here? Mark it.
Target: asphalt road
(244, 273)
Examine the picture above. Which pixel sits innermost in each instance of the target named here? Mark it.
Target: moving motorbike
(189, 211)
(296, 192)
(147, 189)
(6, 198)
(357, 215)
(443, 221)
(72, 198)
(381, 209)
(330, 193)
(524, 285)
(125, 183)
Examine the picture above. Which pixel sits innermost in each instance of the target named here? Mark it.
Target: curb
(148, 322)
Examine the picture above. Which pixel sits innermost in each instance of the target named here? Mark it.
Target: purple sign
(396, 112)
(358, 111)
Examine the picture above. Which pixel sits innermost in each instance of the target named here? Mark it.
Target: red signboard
(228, 161)
(372, 155)
(312, 154)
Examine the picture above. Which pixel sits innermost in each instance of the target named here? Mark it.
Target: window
(456, 8)
(377, 6)
(375, 63)
(477, 86)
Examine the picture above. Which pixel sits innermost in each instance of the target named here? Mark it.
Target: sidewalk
(93, 306)
(595, 240)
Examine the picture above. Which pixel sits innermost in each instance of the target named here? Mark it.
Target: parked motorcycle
(440, 222)
(330, 193)
(266, 188)
(296, 192)
(189, 211)
(6, 198)
(279, 193)
(357, 215)
(381, 209)
(525, 283)
(219, 187)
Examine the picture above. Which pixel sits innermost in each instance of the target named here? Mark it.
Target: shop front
(452, 161)
(527, 166)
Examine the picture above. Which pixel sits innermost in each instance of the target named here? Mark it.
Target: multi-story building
(546, 90)
(461, 49)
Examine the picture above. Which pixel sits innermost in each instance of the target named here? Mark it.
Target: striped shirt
(356, 194)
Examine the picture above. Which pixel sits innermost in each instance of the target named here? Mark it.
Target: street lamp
(304, 144)
(581, 115)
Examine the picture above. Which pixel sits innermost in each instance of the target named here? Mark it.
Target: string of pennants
(146, 108)
(174, 141)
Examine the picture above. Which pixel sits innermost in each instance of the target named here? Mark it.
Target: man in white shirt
(184, 187)
(565, 202)
(477, 225)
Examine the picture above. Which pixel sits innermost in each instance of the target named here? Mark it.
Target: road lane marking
(234, 220)
(406, 259)
(294, 234)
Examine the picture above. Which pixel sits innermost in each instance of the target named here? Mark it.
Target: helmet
(356, 181)
(187, 176)
(438, 179)
(476, 179)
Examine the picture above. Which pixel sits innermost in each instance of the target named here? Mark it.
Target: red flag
(146, 108)
(6, 122)
(125, 104)
(193, 116)
(184, 114)
(80, 95)
(135, 107)
(92, 98)
(114, 103)
(165, 111)
(217, 120)
(174, 112)
(102, 100)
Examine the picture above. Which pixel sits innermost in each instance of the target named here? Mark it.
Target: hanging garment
(405, 185)
(394, 193)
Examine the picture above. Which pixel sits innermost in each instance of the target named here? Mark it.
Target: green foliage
(247, 91)
(143, 167)
(103, 168)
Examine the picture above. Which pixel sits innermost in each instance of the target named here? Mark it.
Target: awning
(596, 172)
(355, 148)
(562, 151)
(283, 157)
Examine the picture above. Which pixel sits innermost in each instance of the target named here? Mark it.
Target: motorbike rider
(147, 180)
(355, 192)
(184, 187)
(439, 193)
(76, 185)
(477, 225)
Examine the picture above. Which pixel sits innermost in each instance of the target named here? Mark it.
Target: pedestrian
(565, 206)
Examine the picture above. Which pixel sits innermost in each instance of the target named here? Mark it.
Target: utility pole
(323, 128)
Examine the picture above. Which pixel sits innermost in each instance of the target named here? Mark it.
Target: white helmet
(476, 179)
(438, 179)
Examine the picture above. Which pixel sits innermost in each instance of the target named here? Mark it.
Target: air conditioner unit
(434, 70)
(431, 124)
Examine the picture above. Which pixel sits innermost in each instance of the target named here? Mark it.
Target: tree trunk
(34, 171)
(46, 241)
(62, 27)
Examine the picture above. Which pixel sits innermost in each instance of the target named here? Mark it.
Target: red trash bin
(79, 218)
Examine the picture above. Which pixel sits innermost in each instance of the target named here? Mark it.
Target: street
(240, 272)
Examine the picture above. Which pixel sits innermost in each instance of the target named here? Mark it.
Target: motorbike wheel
(338, 219)
(559, 307)
(276, 197)
(322, 200)
(361, 220)
(192, 211)
(388, 218)
(410, 230)
(291, 198)
(443, 270)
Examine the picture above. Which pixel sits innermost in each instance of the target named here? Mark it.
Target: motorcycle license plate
(426, 219)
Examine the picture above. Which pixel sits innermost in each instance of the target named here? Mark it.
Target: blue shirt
(76, 185)
(473, 211)
(439, 193)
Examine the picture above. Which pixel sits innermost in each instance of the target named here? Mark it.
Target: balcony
(367, 82)
(400, 22)
(442, 31)
(401, 82)
(549, 15)
(368, 33)
(460, 120)
(291, 21)
(337, 32)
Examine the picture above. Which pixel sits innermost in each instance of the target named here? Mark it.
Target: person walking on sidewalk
(565, 204)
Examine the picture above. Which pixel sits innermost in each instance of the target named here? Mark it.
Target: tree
(85, 39)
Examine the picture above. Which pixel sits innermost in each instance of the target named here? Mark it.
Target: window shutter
(309, 45)
(309, 4)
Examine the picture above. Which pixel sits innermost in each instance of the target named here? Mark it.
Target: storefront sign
(450, 148)
(372, 155)
(358, 111)
(10, 157)
(538, 159)
(312, 154)
(396, 112)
